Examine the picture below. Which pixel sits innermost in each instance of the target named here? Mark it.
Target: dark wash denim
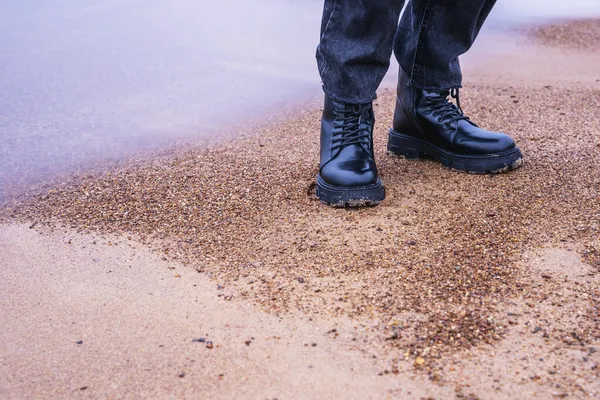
(357, 38)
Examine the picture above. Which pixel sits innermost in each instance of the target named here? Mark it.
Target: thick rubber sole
(413, 148)
(336, 196)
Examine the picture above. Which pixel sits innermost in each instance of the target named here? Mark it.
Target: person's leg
(353, 56)
(355, 48)
(431, 36)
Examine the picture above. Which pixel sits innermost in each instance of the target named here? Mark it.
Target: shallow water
(83, 82)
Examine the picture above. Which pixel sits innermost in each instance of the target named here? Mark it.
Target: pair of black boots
(426, 124)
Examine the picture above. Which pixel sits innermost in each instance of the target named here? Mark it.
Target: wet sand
(457, 285)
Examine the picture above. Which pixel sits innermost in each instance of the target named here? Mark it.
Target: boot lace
(349, 127)
(446, 111)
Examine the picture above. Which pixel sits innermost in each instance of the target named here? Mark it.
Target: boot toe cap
(350, 174)
(505, 142)
(479, 141)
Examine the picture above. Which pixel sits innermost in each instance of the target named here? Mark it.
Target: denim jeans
(358, 36)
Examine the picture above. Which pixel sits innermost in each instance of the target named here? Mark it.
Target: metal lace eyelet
(439, 119)
(447, 125)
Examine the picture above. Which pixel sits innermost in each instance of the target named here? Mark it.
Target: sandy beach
(214, 272)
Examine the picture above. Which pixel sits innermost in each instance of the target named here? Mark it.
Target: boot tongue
(443, 94)
(445, 107)
(365, 125)
(361, 116)
(360, 110)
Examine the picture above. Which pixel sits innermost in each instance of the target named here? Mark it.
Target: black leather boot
(347, 174)
(426, 123)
